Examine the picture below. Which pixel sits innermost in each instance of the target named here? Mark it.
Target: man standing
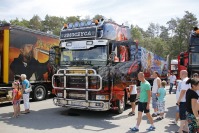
(172, 79)
(182, 101)
(144, 102)
(156, 86)
(26, 95)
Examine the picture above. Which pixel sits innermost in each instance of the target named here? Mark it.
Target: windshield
(94, 55)
(194, 59)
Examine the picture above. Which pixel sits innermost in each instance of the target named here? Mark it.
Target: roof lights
(76, 25)
(82, 24)
(89, 23)
(70, 25)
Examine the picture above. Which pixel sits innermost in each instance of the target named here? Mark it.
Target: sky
(136, 12)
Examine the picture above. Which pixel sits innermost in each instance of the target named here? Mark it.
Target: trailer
(25, 51)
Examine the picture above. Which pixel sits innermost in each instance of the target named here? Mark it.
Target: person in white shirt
(172, 79)
(156, 86)
(177, 97)
(132, 97)
(181, 102)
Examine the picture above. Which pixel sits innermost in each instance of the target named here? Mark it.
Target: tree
(72, 19)
(136, 33)
(35, 23)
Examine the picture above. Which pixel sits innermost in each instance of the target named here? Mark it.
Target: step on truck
(25, 51)
(96, 61)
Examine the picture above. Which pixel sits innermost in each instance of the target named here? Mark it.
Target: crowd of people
(187, 103)
(186, 100)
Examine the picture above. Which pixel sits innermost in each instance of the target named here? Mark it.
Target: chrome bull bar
(86, 75)
(77, 103)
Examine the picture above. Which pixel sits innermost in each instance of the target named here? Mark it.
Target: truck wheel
(121, 105)
(39, 93)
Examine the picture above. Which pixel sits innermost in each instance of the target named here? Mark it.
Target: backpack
(18, 95)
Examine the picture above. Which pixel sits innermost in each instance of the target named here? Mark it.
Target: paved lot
(47, 118)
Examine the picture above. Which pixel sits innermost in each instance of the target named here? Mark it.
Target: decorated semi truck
(25, 51)
(95, 63)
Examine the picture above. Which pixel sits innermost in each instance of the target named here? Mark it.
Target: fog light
(59, 94)
(98, 104)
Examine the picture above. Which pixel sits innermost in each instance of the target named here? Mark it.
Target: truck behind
(25, 51)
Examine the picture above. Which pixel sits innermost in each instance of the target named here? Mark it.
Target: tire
(121, 105)
(39, 93)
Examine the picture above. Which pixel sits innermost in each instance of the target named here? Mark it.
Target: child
(161, 100)
(132, 96)
(16, 98)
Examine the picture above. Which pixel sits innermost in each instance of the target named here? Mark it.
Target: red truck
(25, 51)
(96, 62)
(189, 60)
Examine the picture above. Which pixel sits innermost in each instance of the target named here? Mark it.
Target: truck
(95, 63)
(25, 51)
(189, 60)
(174, 67)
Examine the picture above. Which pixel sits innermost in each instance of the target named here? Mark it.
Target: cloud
(141, 13)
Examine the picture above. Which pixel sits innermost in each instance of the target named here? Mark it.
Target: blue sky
(136, 12)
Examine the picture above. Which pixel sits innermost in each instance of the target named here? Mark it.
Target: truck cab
(90, 63)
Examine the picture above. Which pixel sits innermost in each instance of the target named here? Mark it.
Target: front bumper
(82, 104)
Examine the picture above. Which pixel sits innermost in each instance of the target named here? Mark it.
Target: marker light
(70, 25)
(96, 22)
(65, 26)
(76, 24)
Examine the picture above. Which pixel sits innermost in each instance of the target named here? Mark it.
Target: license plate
(76, 103)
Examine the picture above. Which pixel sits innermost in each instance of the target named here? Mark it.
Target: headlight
(102, 97)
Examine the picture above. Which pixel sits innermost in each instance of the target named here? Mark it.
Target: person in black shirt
(191, 106)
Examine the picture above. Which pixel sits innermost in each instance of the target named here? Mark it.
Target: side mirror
(111, 57)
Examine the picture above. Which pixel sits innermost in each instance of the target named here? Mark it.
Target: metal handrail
(86, 76)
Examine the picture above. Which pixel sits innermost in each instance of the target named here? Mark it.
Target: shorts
(161, 106)
(133, 97)
(182, 110)
(192, 123)
(16, 102)
(142, 107)
(154, 101)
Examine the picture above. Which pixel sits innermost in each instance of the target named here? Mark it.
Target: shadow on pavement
(61, 117)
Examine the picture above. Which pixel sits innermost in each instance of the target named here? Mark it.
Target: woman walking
(191, 106)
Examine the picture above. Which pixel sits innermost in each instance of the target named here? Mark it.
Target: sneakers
(135, 129)
(131, 114)
(174, 122)
(160, 118)
(151, 128)
(154, 115)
